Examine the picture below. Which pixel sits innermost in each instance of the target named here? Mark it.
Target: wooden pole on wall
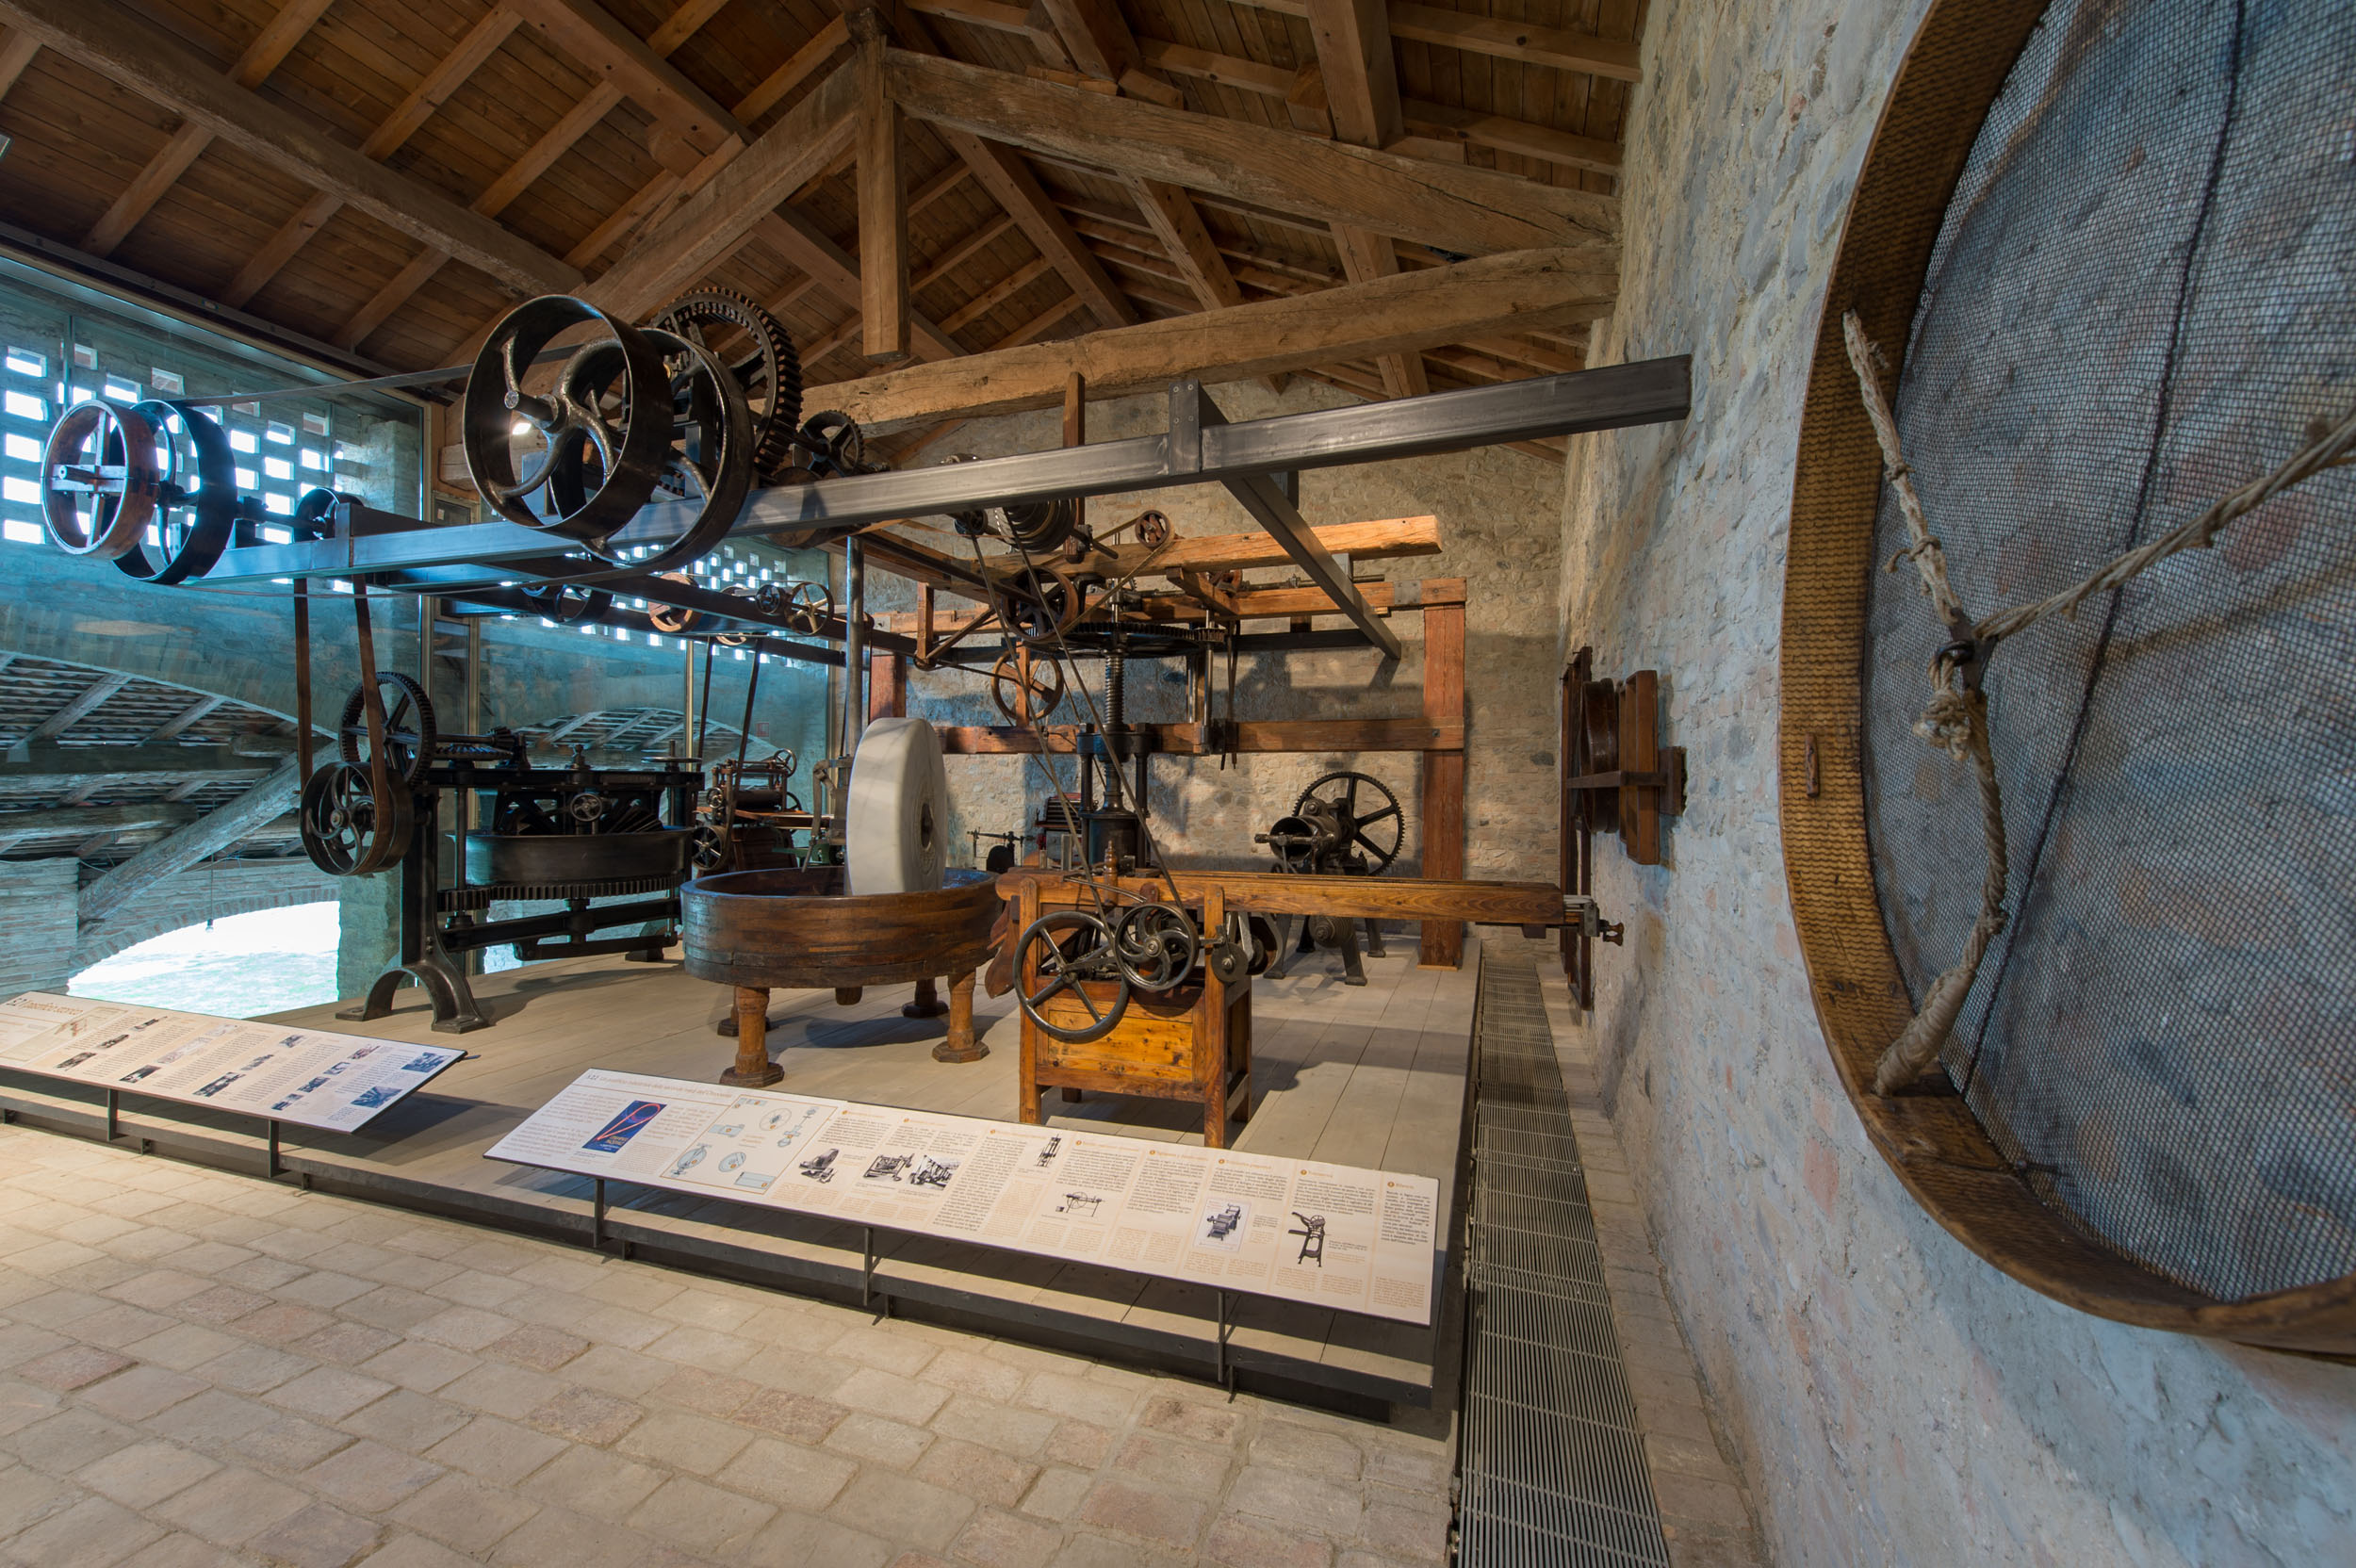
(1443, 944)
(887, 686)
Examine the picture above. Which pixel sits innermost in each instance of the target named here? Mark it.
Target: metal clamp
(1584, 915)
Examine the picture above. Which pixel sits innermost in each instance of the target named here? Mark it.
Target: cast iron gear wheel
(409, 732)
(1360, 831)
(769, 368)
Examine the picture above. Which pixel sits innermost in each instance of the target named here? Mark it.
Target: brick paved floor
(200, 1368)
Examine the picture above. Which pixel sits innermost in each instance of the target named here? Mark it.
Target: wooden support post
(1443, 944)
(887, 686)
(753, 1069)
(848, 996)
(962, 1045)
(1026, 1073)
(928, 1003)
(883, 214)
(1076, 410)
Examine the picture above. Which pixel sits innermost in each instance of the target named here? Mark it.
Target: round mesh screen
(2143, 296)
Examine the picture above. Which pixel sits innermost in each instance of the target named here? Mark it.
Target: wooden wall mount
(1616, 777)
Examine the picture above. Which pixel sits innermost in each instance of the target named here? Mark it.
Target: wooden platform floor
(1370, 1076)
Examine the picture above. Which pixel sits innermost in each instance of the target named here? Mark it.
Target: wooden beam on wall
(119, 44)
(1458, 210)
(1404, 314)
(883, 208)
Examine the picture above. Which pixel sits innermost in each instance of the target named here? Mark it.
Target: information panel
(303, 1077)
(1327, 1234)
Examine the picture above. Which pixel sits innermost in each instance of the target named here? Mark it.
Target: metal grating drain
(1551, 1466)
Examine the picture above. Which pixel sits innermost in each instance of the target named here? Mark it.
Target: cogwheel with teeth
(761, 351)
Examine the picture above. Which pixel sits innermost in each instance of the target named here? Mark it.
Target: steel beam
(1648, 392)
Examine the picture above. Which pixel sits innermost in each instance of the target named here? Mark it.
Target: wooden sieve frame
(1935, 1144)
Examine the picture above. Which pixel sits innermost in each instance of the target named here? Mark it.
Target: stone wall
(1497, 511)
(1894, 1399)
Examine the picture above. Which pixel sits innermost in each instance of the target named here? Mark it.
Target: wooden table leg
(753, 1069)
(928, 1003)
(847, 996)
(962, 1045)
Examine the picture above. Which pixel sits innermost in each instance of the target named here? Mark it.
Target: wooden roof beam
(1403, 313)
(144, 59)
(837, 272)
(271, 46)
(1461, 209)
(15, 55)
(1556, 48)
(1353, 44)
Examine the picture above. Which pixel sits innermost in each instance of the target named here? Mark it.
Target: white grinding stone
(897, 835)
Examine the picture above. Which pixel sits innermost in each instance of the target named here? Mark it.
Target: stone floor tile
(890, 1444)
(965, 1371)
(1143, 1512)
(219, 1304)
(1298, 1500)
(514, 1392)
(995, 1425)
(1058, 1492)
(886, 1352)
(24, 1403)
(291, 1443)
(323, 1287)
(903, 1509)
(611, 1369)
(887, 1393)
(159, 1288)
(496, 1451)
(370, 1477)
(794, 1416)
(709, 1348)
(254, 1369)
(465, 1512)
(1295, 1447)
(700, 1518)
(585, 1416)
(1173, 1463)
(327, 1393)
(706, 1309)
(416, 1551)
(464, 1328)
(1078, 1398)
(682, 1440)
(27, 1497)
(282, 1323)
(183, 1346)
(532, 1345)
(63, 1442)
(1081, 1444)
(180, 1550)
(593, 1482)
(788, 1474)
(1238, 1541)
(71, 1367)
(554, 1537)
(90, 1534)
(421, 1366)
(142, 1475)
(797, 1371)
(142, 1392)
(393, 1307)
(800, 1541)
(1700, 1500)
(212, 1419)
(1089, 1549)
(347, 1344)
(471, 1287)
(995, 1540)
(21, 1342)
(231, 1508)
(318, 1537)
(980, 1473)
(706, 1393)
(1184, 1418)
(119, 1326)
(407, 1420)
(1418, 1534)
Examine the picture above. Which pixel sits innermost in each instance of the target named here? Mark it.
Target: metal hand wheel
(1045, 607)
(1069, 951)
(409, 732)
(1338, 793)
(1155, 945)
(347, 831)
(1025, 696)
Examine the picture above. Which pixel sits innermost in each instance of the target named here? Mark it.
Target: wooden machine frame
(1935, 1147)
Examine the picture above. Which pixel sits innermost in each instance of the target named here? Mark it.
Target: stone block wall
(1497, 513)
(1894, 1399)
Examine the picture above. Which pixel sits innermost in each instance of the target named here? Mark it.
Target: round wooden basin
(784, 929)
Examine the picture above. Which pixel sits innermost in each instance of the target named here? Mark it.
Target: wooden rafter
(1557, 48)
(883, 203)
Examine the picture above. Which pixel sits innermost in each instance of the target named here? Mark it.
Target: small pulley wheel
(408, 728)
(100, 475)
(1025, 696)
(734, 639)
(605, 422)
(347, 831)
(709, 847)
(835, 442)
(759, 353)
(567, 603)
(1044, 607)
(1069, 951)
(806, 606)
(1377, 830)
(196, 507)
(670, 617)
(1155, 945)
(1229, 964)
(1153, 530)
(313, 514)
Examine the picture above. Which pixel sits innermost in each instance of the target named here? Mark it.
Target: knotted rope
(1956, 717)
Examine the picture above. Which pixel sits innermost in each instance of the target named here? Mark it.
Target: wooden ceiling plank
(16, 55)
(713, 222)
(997, 294)
(801, 241)
(480, 43)
(1040, 325)
(1396, 314)
(623, 219)
(1464, 209)
(1353, 44)
(144, 59)
(938, 186)
(592, 36)
(683, 24)
(828, 42)
(1366, 257)
(1501, 38)
(390, 297)
(270, 47)
(883, 203)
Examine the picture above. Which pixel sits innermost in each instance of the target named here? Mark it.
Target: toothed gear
(771, 364)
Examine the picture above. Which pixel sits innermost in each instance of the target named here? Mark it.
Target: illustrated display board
(305, 1077)
(1327, 1234)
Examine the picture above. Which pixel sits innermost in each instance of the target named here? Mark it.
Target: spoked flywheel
(1361, 814)
(408, 728)
(1069, 954)
(1155, 945)
(346, 829)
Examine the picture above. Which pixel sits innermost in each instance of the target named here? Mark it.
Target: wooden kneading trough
(788, 929)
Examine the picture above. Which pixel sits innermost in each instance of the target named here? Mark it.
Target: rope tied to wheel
(1954, 717)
